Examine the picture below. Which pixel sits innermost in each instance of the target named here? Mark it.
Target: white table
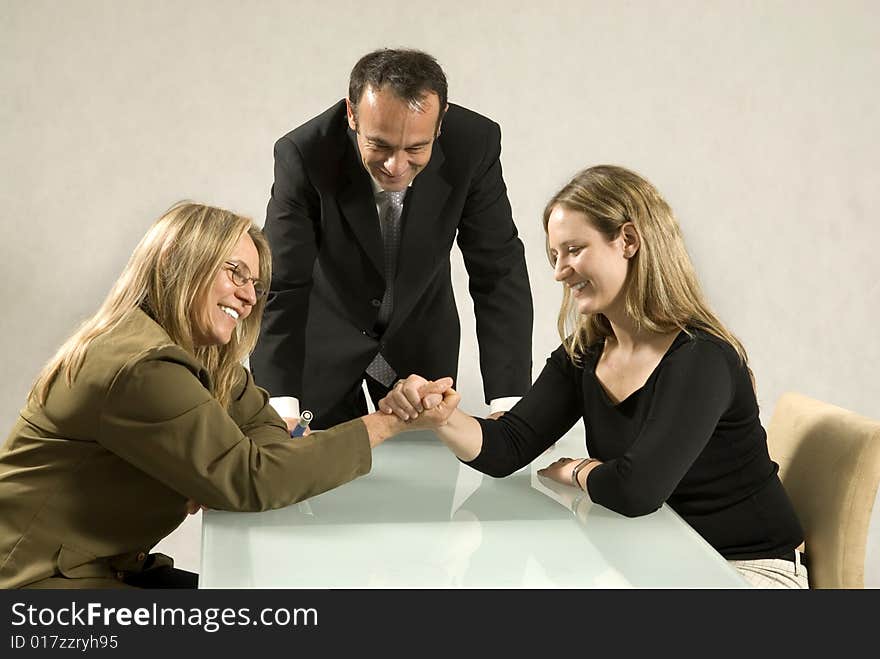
(422, 519)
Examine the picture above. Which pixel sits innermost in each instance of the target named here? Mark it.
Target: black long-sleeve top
(690, 437)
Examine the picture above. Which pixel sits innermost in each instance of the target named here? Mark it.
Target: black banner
(416, 622)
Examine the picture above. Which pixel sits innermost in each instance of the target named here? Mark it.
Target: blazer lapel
(358, 206)
(422, 232)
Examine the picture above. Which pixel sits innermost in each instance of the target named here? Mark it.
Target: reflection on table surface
(421, 519)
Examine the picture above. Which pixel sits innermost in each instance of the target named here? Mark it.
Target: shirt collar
(377, 189)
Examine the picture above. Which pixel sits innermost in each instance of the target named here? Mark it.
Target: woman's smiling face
(227, 304)
(593, 267)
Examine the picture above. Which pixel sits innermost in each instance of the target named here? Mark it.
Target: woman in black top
(664, 389)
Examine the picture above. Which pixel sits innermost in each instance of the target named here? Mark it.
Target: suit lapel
(422, 230)
(358, 205)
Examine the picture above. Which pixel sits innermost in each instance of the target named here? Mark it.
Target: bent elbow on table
(495, 473)
(624, 494)
(633, 507)
(258, 499)
(501, 470)
(267, 487)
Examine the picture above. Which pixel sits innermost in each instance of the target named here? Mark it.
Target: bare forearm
(463, 435)
(381, 426)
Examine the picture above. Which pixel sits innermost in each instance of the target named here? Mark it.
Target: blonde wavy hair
(170, 271)
(662, 293)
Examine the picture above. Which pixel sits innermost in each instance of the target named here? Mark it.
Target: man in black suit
(334, 330)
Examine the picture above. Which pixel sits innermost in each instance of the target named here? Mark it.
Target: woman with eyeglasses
(662, 386)
(147, 409)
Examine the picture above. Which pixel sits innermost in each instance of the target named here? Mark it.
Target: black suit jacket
(320, 329)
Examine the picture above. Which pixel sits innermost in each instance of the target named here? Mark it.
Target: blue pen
(304, 420)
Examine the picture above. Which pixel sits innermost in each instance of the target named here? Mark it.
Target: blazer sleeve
(498, 279)
(252, 413)
(158, 416)
(292, 229)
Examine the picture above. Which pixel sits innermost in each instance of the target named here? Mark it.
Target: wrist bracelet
(574, 472)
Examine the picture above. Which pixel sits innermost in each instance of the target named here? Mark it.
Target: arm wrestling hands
(415, 398)
(411, 397)
(420, 403)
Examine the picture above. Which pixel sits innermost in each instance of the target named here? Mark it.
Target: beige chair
(829, 462)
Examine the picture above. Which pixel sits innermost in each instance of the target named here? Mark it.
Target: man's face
(394, 139)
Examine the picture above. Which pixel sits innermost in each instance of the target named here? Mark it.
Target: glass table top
(422, 519)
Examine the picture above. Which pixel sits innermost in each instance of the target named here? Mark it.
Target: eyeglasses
(241, 275)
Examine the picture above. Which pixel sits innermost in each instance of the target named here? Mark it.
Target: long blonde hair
(662, 292)
(170, 271)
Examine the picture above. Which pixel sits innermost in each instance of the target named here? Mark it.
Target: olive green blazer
(93, 479)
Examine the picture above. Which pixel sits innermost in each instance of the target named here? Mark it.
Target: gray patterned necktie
(379, 369)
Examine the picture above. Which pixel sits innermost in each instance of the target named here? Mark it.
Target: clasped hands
(421, 403)
(429, 404)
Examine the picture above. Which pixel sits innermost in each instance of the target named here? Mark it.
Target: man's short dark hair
(410, 74)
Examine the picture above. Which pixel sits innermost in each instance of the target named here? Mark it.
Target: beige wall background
(757, 121)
